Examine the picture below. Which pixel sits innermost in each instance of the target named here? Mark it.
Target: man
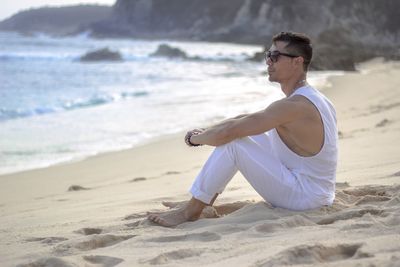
(287, 152)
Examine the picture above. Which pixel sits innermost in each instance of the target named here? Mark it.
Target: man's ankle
(193, 209)
(192, 215)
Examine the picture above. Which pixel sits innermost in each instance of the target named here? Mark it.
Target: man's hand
(191, 133)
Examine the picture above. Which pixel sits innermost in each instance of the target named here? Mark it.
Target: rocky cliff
(255, 21)
(345, 32)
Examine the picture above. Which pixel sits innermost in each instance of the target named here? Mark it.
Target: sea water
(54, 108)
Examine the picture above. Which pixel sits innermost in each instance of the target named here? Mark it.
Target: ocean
(54, 108)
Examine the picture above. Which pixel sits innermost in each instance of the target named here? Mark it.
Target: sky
(9, 7)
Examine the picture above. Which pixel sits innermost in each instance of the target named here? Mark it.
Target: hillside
(57, 21)
(344, 32)
(254, 21)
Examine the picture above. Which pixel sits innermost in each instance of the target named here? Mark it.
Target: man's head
(290, 52)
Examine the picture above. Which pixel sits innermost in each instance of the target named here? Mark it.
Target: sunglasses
(274, 55)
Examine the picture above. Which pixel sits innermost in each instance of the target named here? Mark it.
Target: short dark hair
(297, 43)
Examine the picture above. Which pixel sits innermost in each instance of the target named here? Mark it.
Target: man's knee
(239, 142)
(235, 145)
(228, 145)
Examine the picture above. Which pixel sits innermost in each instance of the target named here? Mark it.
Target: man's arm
(200, 130)
(278, 113)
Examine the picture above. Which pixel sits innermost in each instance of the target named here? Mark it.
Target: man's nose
(268, 61)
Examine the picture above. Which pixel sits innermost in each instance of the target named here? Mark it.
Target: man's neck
(290, 86)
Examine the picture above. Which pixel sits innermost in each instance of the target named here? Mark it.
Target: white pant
(253, 156)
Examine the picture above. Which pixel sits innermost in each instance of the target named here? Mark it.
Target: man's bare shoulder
(293, 104)
(300, 99)
(300, 103)
(306, 109)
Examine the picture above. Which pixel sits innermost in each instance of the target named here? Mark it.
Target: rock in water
(165, 50)
(103, 54)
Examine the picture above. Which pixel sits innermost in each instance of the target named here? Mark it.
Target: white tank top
(315, 174)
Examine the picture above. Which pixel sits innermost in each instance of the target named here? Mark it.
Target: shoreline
(45, 221)
(320, 79)
(363, 69)
(82, 158)
(169, 142)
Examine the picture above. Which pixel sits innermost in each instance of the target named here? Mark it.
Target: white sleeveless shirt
(316, 174)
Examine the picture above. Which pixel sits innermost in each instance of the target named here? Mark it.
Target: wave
(35, 57)
(96, 100)
(44, 47)
(128, 57)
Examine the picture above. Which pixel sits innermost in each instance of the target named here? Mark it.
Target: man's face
(283, 67)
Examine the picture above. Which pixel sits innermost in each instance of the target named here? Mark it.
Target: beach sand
(93, 212)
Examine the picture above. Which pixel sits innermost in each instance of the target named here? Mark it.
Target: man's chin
(271, 79)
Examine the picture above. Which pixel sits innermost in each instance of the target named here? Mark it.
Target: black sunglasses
(274, 55)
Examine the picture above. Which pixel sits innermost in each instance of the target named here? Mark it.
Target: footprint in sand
(355, 226)
(369, 199)
(350, 203)
(365, 194)
(350, 214)
(48, 262)
(77, 188)
(172, 173)
(135, 216)
(174, 255)
(138, 179)
(47, 240)
(202, 237)
(102, 261)
(284, 223)
(383, 123)
(89, 231)
(90, 243)
(314, 254)
(135, 224)
(367, 190)
(379, 108)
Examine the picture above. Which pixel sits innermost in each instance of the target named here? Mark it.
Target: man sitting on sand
(287, 152)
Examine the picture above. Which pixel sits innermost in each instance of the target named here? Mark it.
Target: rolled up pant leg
(253, 156)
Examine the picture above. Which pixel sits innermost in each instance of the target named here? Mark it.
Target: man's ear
(299, 61)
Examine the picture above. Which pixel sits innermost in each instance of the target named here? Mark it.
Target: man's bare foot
(169, 218)
(190, 211)
(223, 209)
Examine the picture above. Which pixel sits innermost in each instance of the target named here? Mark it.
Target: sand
(93, 212)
